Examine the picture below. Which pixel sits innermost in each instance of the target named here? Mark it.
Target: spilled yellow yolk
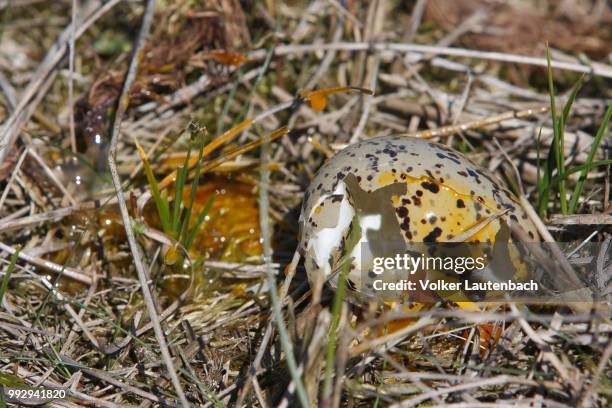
(231, 231)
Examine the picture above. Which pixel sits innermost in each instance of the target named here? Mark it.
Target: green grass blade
(161, 200)
(546, 180)
(582, 168)
(562, 121)
(194, 187)
(165, 211)
(561, 165)
(551, 91)
(570, 101)
(199, 221)
(176, 202)
(557, 136)
(352, 241)
(9, 272)
(181, 177)
(538, 163)
(601, 131)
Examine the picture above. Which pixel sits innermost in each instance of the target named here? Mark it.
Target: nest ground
(473, 75)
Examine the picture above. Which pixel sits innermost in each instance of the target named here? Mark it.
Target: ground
(204, 204)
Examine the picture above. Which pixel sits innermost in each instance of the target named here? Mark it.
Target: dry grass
(74, 313)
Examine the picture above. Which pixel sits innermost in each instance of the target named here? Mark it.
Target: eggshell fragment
(405, 190)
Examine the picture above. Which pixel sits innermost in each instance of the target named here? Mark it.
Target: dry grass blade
(140, 268)
(318, 100)
(393, 338)
(466, 235)
(208, 149)
(232, 154)
(477, 124)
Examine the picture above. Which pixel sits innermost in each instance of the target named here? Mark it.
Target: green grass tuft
(550, 184)
(9, 272)
(352, 241)
(161, 199)
(603, 128)
(175, 216)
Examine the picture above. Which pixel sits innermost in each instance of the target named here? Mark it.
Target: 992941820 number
(14, 394)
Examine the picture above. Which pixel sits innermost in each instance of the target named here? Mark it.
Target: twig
(14, 173)
(72, 333)
(16, 214)
(116, 132)
(504, 403)
(517, 174)
(119, 344)
(501, 379)
(73, 142)
(346, 13)
(329, 55)
(463, 99)
(581, 219)
(186, 93)
(240, 270)
(415, 20)
(51, 266)
(596, 69)
(7, 224)
(568, 271)
(477, 124)
(367, 103)
(18, 3)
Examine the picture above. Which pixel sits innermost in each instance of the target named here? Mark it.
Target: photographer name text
(441, 285)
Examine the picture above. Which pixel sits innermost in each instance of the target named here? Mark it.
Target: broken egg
(396, 192)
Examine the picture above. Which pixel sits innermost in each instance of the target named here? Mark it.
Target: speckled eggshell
(404, 188)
